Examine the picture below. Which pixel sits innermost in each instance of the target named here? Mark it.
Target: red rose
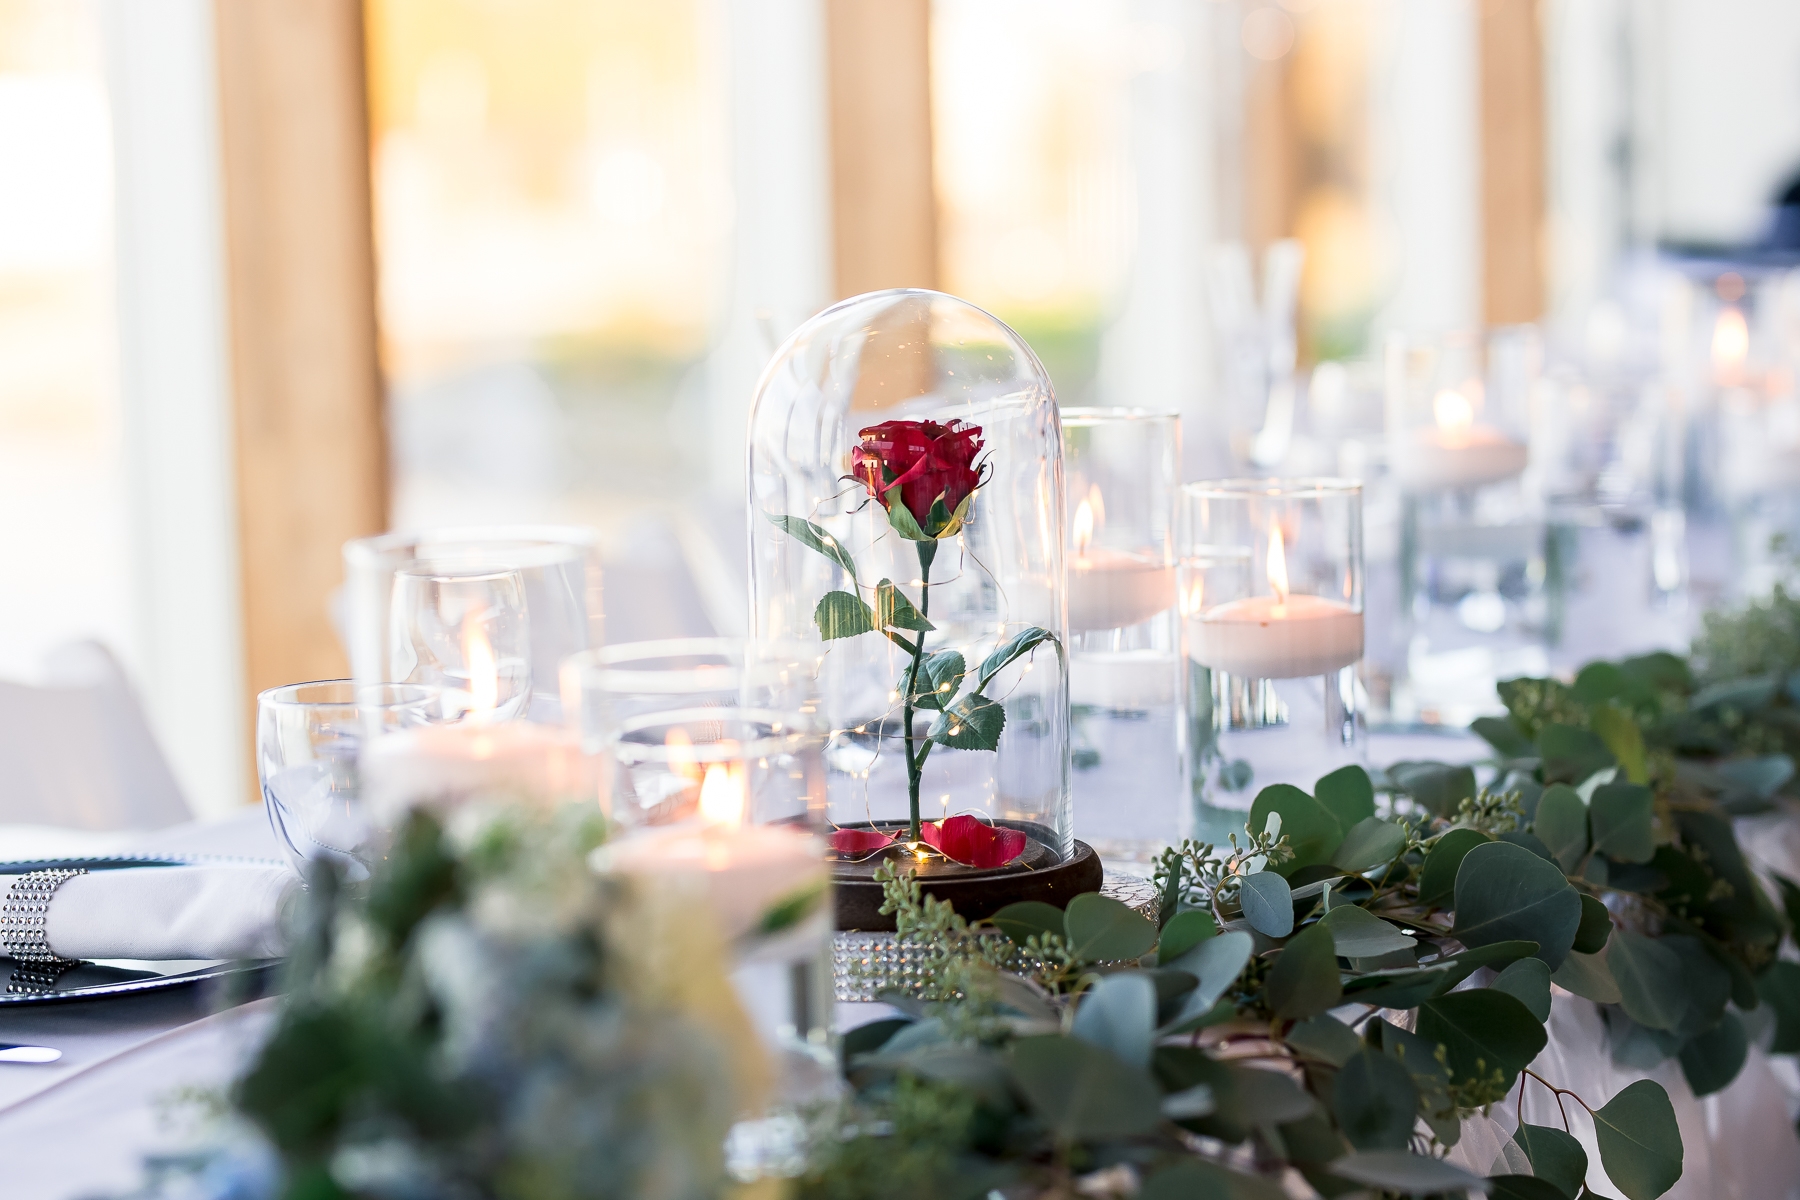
(927, 461)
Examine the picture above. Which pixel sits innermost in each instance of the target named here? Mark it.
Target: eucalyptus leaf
(1359, 933)
(1555, 1155)
(1437, 881)
(1640, 1141)
(1012, 649)
(1482, 1029)
(1396, 989)
(1102, 929)
(1527, 981)
(1620, 814)
(1437, 787)
(1268, 1097)
(1268, 904)
(1460, 966)
(1200, 1179)
(1505, 892)
(1571, 755)
(1375, 1101)
(1118, 1014)
(1562, 824)
(1024, 919)
(1310, 828)
(1779, 988)
(1707, 983)
(972, 723)
(1620, 732)
(842, 615)
(1712, 1059)
(1649, 974)
(1025, 997)
(816, 537)
(1347, 794)
(1407, 1174)
(1304, 980)
(1588, 976)
(940, 675)
(1504, 736)
(1182, 933)
(1595, 928)
(1522, 1187)
(869, 1038)
(1216, 962)
(1081, 1091)
(1325, 1038)
(1371, 842)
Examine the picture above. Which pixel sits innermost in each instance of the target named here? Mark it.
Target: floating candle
(442, 766)
(1112, 589)
(1279, 636)
(1455, 452)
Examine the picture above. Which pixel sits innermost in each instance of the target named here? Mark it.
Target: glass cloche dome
(906, 514)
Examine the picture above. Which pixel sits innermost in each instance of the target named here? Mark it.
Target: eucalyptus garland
(1325, 1002)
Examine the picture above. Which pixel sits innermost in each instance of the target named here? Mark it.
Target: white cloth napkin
(225, 910)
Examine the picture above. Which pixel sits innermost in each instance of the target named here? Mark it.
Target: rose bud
(932, 466)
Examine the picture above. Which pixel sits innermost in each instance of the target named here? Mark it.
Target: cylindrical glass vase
(907, 518)
(1272, 630)
(1122, 467)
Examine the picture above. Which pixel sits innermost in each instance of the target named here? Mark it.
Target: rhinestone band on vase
(25, 913)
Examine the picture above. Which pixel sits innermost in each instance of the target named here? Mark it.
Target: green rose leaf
(815, 536)
(1369, 843)
(1025, 919)
(1438, 880)
(1562, 824)
(894, 611)
(1595, 927)
(1102, 929)
(1482, 1029)
(1118, 1014)
(1409, 1174)
(1555, 1156)
(1437, 787)
(940, 675)
(1359, 933)
(1348, 794)
(1216, 963)
(1268, 904)
(972, 723)
(1304, 980)
(1184, 931)
(1640, 1141)
(1588, 976)
(841, 615)
(1652, 989)
(1527, 981)
(1711, 1060)
(1012, 649)
(1621, 817)
(1081, 1091)
(1505, 892)
(1375, 1101)
(1309, 826)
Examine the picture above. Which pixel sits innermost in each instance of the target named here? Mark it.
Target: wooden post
(884, 210)
(1512, 162)
(307, 397)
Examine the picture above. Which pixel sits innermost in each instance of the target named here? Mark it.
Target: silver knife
(28, 1054)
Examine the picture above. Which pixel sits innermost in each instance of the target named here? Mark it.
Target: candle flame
(1453, 410)
(484, 672)
(722, 795)
(1193, 598)
(1730, 345)
(1090, 514)
(1278, 576)
(682, 760)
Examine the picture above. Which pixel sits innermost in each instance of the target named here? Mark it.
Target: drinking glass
(464, 630)
(309, 740)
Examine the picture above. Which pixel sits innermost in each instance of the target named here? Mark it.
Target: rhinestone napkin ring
(25, 912)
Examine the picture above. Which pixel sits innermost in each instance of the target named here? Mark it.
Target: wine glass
(465, 630)
(309, 739)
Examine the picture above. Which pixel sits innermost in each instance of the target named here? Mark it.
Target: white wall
(174, 392)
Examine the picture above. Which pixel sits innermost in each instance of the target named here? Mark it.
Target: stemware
(464, 630)
(309, 741)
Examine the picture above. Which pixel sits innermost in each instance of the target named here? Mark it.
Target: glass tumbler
(1272, 632)
(309, 741)
(1127, 775)
(464, 630)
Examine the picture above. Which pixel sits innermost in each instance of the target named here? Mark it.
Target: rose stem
(915, 766)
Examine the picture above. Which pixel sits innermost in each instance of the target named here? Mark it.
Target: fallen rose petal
(973, 842)
(859, 841)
